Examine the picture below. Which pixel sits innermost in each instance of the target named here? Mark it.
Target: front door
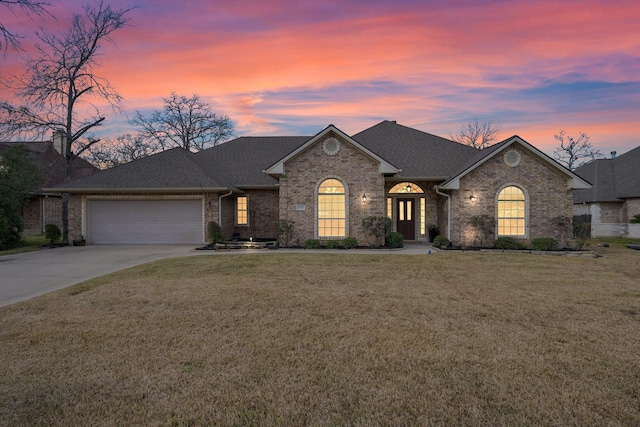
(406, 224)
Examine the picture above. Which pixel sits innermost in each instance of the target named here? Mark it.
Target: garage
(145, 222)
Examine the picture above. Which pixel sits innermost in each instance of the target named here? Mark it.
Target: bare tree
(185, 122)
(476, 134)
(575, 152)
(126, 148)
(60, 83)
(29, 7)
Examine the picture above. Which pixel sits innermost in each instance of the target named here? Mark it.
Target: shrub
(52, 233)
(545, 244)
(433, 231)
(395, 240)
(563, 225)
(349, 242)
(214, 231)
(285, 232)
(440, 242)
(635, 219)
(507, 243)
(333, 244)
(311, 244)
(377, 227)
(484, 226)
(11, 227)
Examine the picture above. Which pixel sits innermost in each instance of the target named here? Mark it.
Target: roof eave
(137, 190)
(258, 187)
(418, 178)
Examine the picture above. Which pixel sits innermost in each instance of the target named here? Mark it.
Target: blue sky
(289, 67)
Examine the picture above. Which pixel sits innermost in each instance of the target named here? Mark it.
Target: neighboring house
(615, 196)
(45, 207)
(325, 184)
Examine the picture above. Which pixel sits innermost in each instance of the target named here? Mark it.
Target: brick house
(45, 207)
(325, 184)
(614, 197)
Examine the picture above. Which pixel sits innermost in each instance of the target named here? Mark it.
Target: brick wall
(31, 216)
(545, 191)
(40, 211)
(303, 174)
(263, 215)
(610, 213)
(75, 214)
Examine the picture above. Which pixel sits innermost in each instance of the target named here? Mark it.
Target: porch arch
(406, 206)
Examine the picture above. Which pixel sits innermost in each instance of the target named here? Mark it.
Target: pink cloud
(267, 63)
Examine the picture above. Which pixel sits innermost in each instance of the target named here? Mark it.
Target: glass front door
(406, 222)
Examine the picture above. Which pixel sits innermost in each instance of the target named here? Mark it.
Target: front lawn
(30, 243)
(283, 339)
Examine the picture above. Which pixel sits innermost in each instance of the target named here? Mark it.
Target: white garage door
(145, 222)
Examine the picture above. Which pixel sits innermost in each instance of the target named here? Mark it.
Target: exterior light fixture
(408, 188)
(472, 198)
(364, 198)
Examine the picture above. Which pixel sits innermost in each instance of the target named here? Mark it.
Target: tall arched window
(511, 212)
(331, 209)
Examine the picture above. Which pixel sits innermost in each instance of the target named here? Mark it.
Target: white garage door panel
(145, 222)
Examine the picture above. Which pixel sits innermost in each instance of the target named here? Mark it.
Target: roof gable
(421, 155)
(573, 180)
(384, 166)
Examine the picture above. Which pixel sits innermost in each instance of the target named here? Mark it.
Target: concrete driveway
(26, 275)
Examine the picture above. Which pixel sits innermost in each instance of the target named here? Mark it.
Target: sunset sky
(284, 67)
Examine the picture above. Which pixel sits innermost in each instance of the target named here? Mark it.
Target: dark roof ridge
(197, 160)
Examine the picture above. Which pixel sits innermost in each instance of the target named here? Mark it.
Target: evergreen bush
(395, 240)
(545, 244)
(349, 242)
(311, 244)
(440, 242)
(215, 232)
(52, 233)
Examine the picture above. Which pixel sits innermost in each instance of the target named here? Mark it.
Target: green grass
(281, 339)
(614, 240)
(30, 244)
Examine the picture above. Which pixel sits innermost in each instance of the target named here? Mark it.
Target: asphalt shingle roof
(176, 168)
(418, 154)
(240, 163)
(242, 160)
(613, 179)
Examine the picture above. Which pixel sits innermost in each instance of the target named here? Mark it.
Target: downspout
(435, 187)
(220, 206)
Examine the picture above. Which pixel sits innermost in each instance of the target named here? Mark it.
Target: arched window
(406, 188)
(511, 212)
(331, 209)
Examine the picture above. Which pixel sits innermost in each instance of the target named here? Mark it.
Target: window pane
(511, 212)
(331, 209)
(423, 213)
(241, 210)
